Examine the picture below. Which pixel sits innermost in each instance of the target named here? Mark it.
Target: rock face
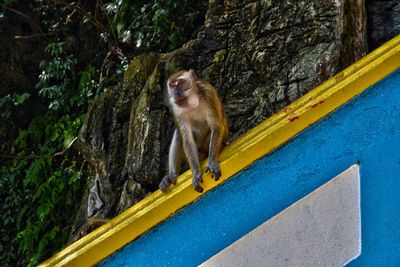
(260, 55)
(383, 21)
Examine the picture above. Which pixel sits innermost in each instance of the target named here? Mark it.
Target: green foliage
(40, 187)
(57, 75)
(41, 191)
(57, 82)
(8, 104)
(38, 190)
(156, 25)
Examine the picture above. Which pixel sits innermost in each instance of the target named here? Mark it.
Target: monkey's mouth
(181, 101)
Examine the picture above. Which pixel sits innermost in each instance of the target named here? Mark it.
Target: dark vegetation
(81, 48)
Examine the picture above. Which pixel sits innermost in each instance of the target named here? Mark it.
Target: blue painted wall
(366, 130)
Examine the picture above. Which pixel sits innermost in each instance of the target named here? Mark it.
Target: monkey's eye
(181, 82)
(172, 84)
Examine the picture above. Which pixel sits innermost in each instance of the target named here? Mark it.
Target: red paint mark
(292, 119)
(316, 104)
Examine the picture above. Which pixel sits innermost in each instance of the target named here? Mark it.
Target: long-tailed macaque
(201, 127)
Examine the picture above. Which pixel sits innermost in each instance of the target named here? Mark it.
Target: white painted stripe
(322, 229)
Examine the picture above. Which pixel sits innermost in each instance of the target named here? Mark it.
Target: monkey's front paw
(168, 179)
(214, 169)
(196, 180)
(172, 178)
(164, 184)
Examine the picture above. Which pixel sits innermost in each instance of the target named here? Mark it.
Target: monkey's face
(179, 90)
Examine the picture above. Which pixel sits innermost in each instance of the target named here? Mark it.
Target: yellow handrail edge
(256, 143)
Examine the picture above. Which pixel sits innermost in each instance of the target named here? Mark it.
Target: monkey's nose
(178, 94)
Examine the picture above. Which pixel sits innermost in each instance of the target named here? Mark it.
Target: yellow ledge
(255, 144)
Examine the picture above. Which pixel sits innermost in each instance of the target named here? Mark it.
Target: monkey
(201, 127)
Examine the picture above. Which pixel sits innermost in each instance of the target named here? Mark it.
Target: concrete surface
(322, 229)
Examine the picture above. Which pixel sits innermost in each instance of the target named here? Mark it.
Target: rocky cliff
(260, 55)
